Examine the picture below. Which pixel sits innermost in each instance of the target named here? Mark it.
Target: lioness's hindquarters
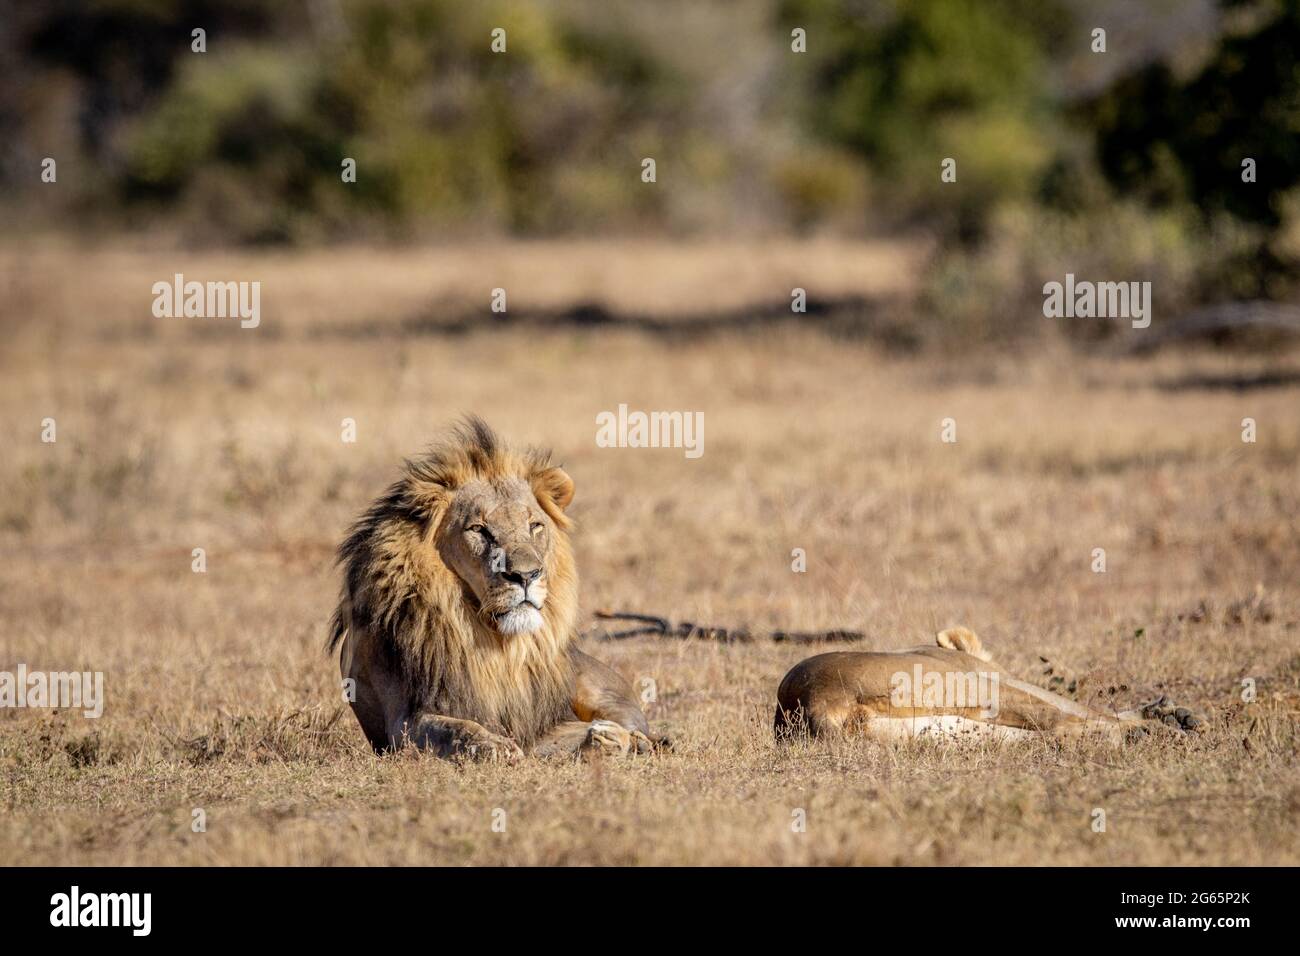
(951, 688)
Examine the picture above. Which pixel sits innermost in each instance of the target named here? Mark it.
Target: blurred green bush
(1127, 157)
(908, 84)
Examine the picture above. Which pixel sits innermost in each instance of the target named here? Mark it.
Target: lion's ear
(962, 639)
(554, 490)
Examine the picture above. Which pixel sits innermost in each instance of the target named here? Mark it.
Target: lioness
(459, 610)
(952, 688)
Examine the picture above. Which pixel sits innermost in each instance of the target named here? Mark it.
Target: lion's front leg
(456, 739)
(609, 720)
(592, 738)
(601, 694)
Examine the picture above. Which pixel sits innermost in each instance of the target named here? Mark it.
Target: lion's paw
(1165, 711)
(608, 737)
(492, 748)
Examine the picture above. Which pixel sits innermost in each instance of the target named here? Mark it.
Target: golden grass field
(177, 434)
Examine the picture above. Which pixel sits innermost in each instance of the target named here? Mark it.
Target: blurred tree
(125, 51)
(1182, 143)
(244, 143)
(909, 83)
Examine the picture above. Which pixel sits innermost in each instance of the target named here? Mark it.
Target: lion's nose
(523, 576)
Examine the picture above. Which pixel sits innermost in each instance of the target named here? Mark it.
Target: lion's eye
(477, 529)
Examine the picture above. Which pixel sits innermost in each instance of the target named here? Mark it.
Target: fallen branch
(663, 627)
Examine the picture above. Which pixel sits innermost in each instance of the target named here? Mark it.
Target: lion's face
(500, 542)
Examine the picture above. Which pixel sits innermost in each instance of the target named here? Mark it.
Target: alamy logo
(626, 429)
(103, 909)
(945, 690)
(208, 300)
(1101, 300)
(66, 690)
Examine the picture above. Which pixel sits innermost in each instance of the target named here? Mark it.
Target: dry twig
(663, 627)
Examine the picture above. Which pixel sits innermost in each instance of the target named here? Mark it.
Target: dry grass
(220, 696)
(353, 291)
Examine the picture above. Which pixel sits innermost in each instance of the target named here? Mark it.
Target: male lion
(945, 690)
(459, 608)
